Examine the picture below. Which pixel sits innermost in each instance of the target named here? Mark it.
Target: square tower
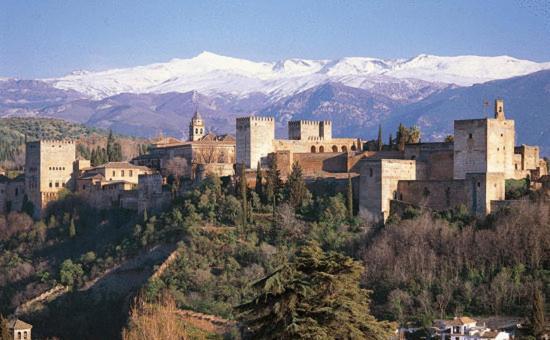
(48, 169)
(255, 136)
(484, 145)
(309, 130)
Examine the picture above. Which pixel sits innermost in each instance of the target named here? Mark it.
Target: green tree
(379, 142)
(316, 296)
(390, 141)
(402, 136)
(274, 183)
(350, 198)
(296, 190)
(244, 202)
(72, 229)
(70, 273)
(537, 317)
(259, 182)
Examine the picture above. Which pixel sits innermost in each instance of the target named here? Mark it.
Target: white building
(466, 328)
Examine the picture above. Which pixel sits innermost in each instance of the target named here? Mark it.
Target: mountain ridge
(211, 74)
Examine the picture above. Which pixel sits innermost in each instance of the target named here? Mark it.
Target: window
(131, 173)
(114, 173)
(353, 148)
(25, 335)
(344, 148)
(18, 335)
(334, 148)
(83, 186)
(479, 184)
(57, 184)
(51, 184)
(321, 149)
(122, 173)
(313, 149)
(470, 136)
(63, 184)
(371, 172)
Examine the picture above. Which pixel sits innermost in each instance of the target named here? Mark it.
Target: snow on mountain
(213, 74)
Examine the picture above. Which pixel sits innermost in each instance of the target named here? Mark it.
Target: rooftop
(18, 324)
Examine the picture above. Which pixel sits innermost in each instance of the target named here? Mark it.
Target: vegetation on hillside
(242, 253)
(14, 130)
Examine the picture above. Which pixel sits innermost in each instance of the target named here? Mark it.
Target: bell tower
(499, 109)
(196, 127)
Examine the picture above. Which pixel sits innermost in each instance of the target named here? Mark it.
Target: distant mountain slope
(210, 73)
(527, 101)
(356, 93)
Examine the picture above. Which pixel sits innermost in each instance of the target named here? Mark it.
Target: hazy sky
(50, 38)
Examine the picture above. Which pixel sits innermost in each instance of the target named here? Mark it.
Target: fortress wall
(378, 184)
(481, 189)
(437, 195)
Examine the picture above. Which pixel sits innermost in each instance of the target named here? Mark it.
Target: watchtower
(255, 136)
(48, 170)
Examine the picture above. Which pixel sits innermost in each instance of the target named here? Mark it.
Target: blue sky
(50, 38)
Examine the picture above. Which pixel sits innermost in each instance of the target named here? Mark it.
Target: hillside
(14, 130)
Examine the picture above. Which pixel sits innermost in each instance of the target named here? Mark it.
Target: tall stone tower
(255, 137)
(48, 170)
(196, 127)
(484, 145)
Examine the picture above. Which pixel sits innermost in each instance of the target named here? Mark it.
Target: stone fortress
(469, 171)
(256, 141)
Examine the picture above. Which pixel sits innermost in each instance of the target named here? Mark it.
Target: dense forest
(13, 132)
(283, 262)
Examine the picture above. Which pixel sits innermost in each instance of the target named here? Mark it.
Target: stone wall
(481, 189)
(436, 195)
(438, 159)
(378, 184)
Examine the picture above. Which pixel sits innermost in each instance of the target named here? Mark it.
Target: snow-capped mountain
(213, 74)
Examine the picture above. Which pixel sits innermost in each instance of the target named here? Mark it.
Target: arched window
(353, 148)
(334, 148)
(313, 149)
(196, 130)
(321, 149)
(344, 148)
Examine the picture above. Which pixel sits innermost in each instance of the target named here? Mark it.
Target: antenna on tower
(485, 106)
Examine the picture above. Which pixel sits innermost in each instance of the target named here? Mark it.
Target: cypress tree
(273, 187)
(390, 142)
(379, 142)
(259, 181)
(243, 195)
(296, 186)
(350, 198)
(72, 229)
(110, 146)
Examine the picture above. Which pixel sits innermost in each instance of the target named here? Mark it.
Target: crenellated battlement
(256, 118)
